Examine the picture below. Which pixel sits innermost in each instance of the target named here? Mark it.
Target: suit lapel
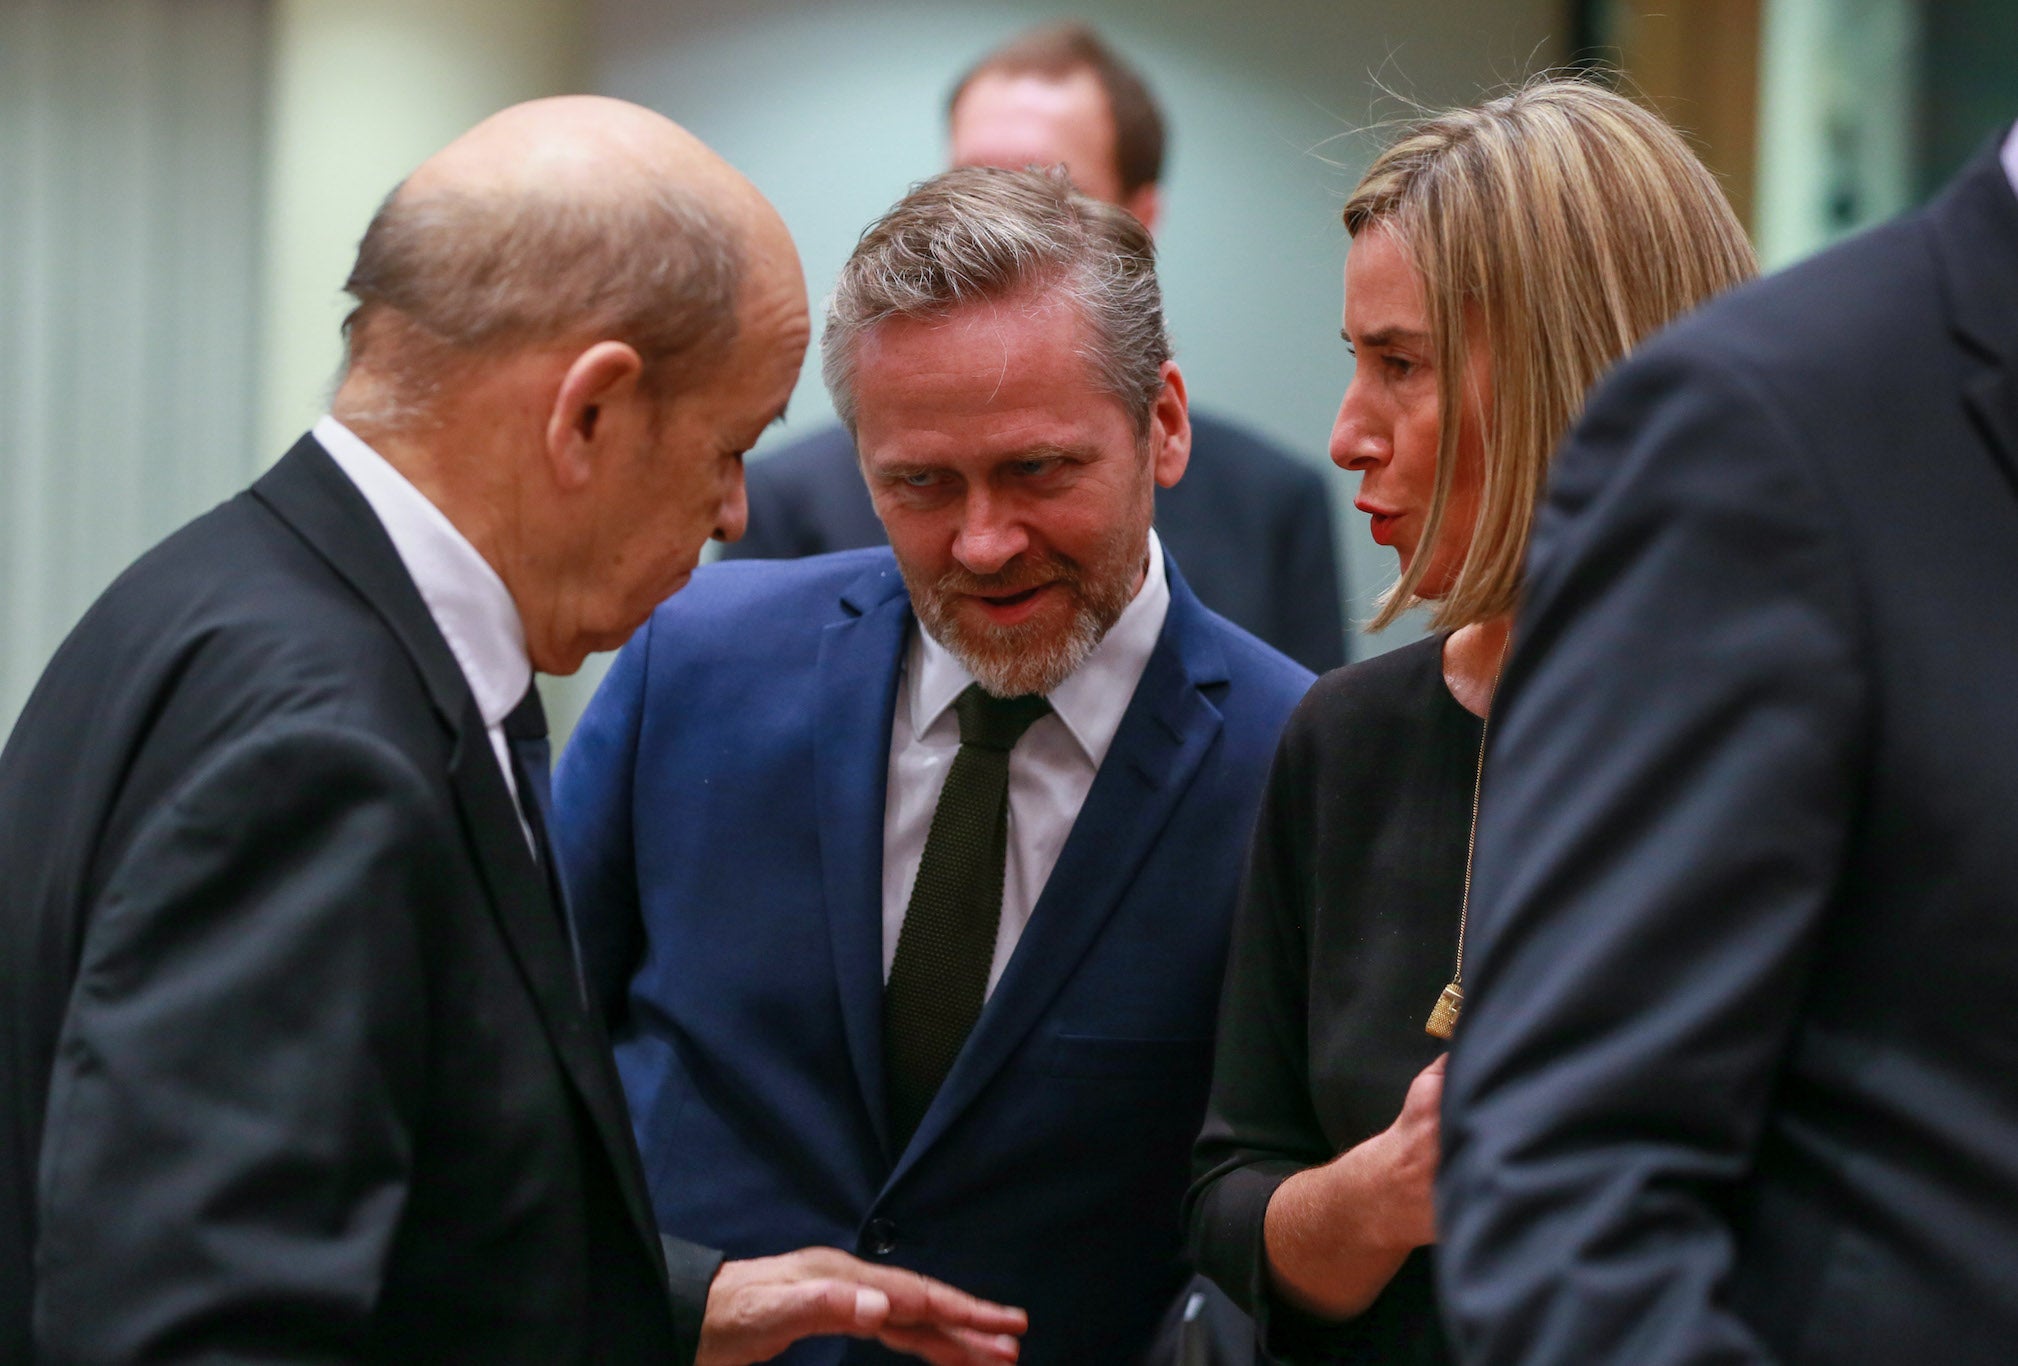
(860, 659)
(539, 943)
(1975, 227)
(1165, 734)
(1992, 400)
(309, 492)
(318, 500)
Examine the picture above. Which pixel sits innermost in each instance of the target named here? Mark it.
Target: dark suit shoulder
(225, 627)
(817, 453)
(1804, 330)
(1224, 444)
(807, 498)
(240, 615)
(1254, 664)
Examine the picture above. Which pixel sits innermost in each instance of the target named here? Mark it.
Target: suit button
(882, 1237)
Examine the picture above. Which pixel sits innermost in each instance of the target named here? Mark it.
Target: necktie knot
(992, 722)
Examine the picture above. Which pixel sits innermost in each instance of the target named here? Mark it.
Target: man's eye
(1035, 466)
(919, 479)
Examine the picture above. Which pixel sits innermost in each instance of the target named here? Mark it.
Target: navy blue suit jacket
(720, 815)
(1250, 522)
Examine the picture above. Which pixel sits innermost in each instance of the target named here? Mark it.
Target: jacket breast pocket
(1095, 1057)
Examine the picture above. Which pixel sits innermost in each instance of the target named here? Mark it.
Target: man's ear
(1147, 206)
(1170, 428)
(599, 386)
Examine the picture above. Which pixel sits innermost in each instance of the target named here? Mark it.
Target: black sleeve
(229, 1138)
(1260, 1127)
(1675, 758)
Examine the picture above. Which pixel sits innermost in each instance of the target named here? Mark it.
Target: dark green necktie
(940, 974)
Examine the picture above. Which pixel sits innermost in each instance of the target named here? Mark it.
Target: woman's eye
(1398, 366)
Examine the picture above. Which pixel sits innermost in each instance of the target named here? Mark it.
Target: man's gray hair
(982, 234)
(444, 279)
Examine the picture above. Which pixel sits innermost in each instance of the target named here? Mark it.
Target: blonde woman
(1502, 258)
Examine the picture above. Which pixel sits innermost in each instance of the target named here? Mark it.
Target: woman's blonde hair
(1568, 223)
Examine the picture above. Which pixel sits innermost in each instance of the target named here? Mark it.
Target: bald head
(571, 322)
(555, 222)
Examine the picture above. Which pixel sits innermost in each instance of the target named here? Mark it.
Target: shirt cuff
(690, 1270)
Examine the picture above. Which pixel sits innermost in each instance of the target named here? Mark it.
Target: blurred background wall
(182, 183)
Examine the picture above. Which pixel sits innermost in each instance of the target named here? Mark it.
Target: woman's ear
(598, 387)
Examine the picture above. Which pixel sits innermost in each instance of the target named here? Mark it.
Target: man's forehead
(989, 344)
(1028, 119)
(1001, 377)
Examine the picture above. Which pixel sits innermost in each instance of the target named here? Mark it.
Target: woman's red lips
(1381, 519)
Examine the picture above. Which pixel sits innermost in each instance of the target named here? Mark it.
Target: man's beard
(1032, 656)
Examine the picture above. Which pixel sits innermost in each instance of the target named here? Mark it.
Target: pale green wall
(362, 91)
(130, 197)
(1838, 88)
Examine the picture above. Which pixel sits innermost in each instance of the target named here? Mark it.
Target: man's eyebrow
(1046, 450)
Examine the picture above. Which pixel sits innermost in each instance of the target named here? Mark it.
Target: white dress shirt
(2010, 157)
(468, 601)
(1050, 770)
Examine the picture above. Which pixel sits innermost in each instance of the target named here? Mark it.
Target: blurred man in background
(1250, 525)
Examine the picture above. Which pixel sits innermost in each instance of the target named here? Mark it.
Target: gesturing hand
(758, 1308)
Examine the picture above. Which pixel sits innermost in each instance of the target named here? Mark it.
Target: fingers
(757, 1308)
(945, 1304)
(915, 1299)
(950, 1346)
(754, 1320)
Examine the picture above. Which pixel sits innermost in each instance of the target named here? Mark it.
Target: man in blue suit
(1251, 522)
(904, 874)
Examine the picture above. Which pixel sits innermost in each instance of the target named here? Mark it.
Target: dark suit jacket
(294, 1062)
(721, 813)
(1737, 1079)
(1250, 523)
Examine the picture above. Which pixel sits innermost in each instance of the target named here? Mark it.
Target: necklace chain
(1471, 839)
(1443, 1019)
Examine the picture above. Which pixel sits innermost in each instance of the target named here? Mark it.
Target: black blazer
(293, 1060)
(1250, 523)
(1738, 1077)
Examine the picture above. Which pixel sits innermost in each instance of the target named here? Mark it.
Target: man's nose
(990, 535)
(732, 518)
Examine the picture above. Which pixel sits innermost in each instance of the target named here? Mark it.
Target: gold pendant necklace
(1442, 1022)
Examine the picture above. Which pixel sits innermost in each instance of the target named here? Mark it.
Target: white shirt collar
(2010, 157)
(1093, 700)
(469, 602)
